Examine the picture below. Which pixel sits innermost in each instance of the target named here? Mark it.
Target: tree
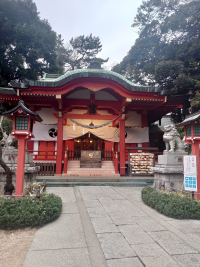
(27, 43)
(81, 51)
(167, 50)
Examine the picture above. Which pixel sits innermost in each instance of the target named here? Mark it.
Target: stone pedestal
(168, 173)
(30, 170)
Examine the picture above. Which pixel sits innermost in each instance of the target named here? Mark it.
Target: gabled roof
(85, 73)
(194, 117)
(22, 106)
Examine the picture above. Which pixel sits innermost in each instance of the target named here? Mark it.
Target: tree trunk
(9, 187)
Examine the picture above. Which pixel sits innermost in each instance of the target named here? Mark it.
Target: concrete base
(30, 170)
(168, 181)
(28, 178)
(168, 174)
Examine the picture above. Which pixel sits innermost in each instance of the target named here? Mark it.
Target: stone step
(107, 169)
(92, 174)
(68, 184)
(93, 179)
(94, 169)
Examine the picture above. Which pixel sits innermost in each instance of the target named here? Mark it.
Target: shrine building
(89, 110)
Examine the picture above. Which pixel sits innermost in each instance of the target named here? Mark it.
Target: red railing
(115, 160)
(43, 155)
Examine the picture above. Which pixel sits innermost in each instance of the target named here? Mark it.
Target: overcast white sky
(109, 19)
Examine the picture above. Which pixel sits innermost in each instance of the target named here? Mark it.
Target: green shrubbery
(171, 204)
(29, 212)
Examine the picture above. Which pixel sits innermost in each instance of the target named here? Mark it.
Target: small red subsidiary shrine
(89, 109)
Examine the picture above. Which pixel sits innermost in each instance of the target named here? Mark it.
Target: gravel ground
(14, 245)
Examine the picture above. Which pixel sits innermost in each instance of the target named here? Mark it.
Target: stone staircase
(104, 176)
(107, 170)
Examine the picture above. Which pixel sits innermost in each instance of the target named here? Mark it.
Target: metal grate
(21, 123)
(188, 130)
(197, 129)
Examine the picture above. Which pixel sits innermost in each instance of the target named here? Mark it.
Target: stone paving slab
(115, 246)
(67, 195)
(69, 207)
(97, 212)
(92, 203)
(104, 200)
(129, 208)
(121, 218)
(194, 235)
(110, 207)
(135, 235)
(152, 255)
(171, 243)
(149, 225)
(65, 232)
(104, 225)
(185, 224)
(126, 262)
(189, 260)
(62, 258)
(163, 261)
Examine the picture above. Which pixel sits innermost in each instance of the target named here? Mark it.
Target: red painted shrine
(89, 109)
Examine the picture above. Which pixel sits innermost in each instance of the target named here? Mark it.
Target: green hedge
(171, 204)
(29, 212)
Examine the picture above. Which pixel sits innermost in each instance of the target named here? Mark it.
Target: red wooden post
(116, 162)
(195, 151)
(59, 146)
(20, 165)
(122, 147)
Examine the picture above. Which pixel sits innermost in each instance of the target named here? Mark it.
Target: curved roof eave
(91, 73)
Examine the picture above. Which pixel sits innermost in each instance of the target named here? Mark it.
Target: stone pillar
(168, 174)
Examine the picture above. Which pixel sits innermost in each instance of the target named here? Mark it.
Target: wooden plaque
(90, 159)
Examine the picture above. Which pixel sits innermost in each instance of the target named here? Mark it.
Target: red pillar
(122, 147)
(195, 151)
(20, 165)
(59, 146)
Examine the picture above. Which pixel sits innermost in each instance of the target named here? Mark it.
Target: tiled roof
(190, 118)
(85, 73)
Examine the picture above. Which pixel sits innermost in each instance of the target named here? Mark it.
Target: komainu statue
(172, 139)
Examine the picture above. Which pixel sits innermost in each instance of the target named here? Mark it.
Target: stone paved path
(110, 226)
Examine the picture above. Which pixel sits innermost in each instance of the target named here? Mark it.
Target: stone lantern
(191, 126)
(23, 119)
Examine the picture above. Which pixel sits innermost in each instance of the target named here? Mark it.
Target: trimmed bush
(29, 212)
(171, 204)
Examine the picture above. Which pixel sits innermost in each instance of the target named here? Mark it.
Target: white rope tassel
(83, 130)
(74, 126)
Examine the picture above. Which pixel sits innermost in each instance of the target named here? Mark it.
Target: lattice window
(197, 129)
(188, 130)
(21, 123)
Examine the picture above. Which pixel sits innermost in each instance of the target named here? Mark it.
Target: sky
(110, 20)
